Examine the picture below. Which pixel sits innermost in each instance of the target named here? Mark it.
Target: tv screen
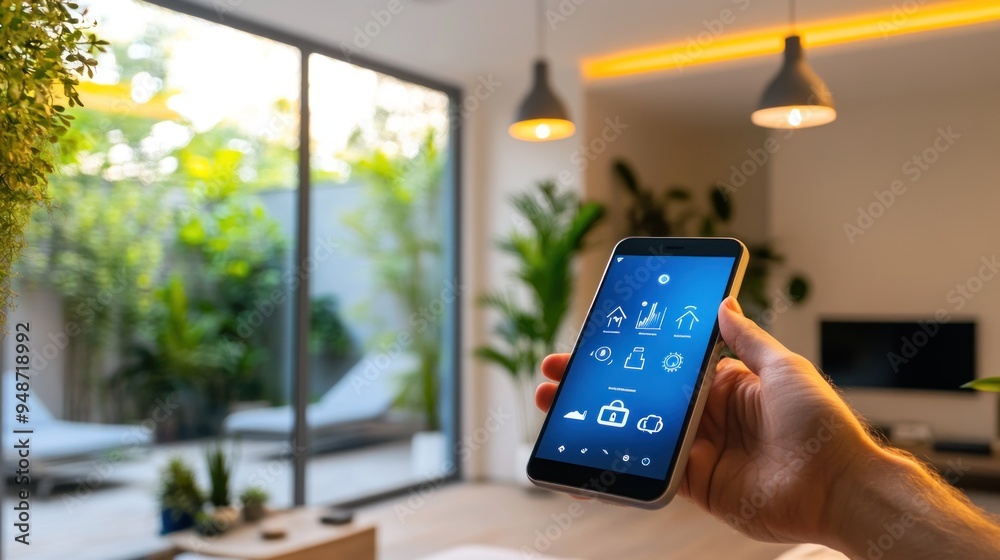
(899, 355)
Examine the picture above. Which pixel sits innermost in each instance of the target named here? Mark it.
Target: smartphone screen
(628, 390)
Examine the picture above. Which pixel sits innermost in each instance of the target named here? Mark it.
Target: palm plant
(554, 226)
(672, 212)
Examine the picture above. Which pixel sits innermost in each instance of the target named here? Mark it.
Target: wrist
(888, 506)
(871, 501)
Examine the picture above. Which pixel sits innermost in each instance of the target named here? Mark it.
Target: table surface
(303, 532)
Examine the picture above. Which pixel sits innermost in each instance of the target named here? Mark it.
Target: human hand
(774, 440)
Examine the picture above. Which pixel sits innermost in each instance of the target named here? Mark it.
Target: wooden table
(306, 539)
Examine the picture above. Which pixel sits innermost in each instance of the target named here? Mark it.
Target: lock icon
(614, 414)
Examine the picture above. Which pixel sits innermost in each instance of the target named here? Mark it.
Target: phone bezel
(618, 483)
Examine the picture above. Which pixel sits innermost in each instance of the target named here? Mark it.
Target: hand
(774, 440)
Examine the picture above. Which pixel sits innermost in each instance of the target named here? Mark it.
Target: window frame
(453, 191)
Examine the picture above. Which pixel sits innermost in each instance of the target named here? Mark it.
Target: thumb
(760, 351)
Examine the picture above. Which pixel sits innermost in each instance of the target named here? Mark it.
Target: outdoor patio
(121, 518)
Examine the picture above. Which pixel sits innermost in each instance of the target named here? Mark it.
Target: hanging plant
(45, 47)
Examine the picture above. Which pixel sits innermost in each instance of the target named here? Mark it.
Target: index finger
(554, 365)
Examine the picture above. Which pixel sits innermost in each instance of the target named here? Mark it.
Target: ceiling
(457, 40)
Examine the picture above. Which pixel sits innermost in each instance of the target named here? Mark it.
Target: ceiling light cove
(909, 17)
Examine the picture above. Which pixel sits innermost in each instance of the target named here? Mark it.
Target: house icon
(616, 317)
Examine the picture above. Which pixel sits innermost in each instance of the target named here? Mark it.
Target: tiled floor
(121, 518)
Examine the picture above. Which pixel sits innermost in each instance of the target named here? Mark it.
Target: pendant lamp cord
(540, 28)
(791, 14)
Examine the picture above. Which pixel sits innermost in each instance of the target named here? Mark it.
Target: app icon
(620, 259)
(625, 457)
(663, 279)
(605, 451)
(602, 354)
(584, 451)
(673, 362)
(614, 414)
(576, 415)
(562, 448)
(635, 359)
(653, 319)
(645, 461)
(650, 424)
(616, 317)
(687, 317)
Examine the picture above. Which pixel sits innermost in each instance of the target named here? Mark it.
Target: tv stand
(969, 470)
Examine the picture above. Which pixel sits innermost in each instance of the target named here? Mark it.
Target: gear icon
(673, 362)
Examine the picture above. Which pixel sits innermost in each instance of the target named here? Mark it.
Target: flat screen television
(899, 355)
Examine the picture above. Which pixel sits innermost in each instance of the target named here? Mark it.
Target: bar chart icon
(650, 318)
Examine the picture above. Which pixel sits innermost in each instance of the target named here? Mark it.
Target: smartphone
(627, 410)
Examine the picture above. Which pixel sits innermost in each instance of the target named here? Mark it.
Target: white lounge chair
(351, 408)
(58, 447)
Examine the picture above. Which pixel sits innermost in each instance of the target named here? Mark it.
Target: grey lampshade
(542, 115)
(797, 97)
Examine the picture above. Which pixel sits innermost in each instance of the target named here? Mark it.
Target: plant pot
(253, 513)
(521, 455)
(226, 516)
(171, 521)
(428, 455)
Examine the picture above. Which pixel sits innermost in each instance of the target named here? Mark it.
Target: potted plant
(253, 499)
(44, 51)
(397, 228)
(554, 226)
(220, 470)
(179, 496)
(673, 213)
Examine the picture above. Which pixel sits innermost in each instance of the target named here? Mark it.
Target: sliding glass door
(163, 290)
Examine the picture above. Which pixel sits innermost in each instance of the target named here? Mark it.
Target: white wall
(497, 166)
(662, 152)
(910, 258)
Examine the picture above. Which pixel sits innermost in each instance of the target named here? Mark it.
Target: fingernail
(731, 303)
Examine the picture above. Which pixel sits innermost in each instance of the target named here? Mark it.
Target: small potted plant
(180, 498)
(208, 525)
(220, 469)
(253, 500)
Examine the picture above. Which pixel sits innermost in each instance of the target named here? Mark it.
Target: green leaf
(988, 384)
(798, 289)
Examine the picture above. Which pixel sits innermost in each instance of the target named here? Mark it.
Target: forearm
(889, 507)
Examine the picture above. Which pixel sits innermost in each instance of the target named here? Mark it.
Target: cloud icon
(576, 415)
(650, 424)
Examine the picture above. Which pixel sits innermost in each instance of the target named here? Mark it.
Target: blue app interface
(627, 393)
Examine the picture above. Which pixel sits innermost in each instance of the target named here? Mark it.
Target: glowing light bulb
(542, 131)
(795, 117)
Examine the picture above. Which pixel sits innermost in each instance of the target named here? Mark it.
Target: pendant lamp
(541, 117)
(797, 97)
